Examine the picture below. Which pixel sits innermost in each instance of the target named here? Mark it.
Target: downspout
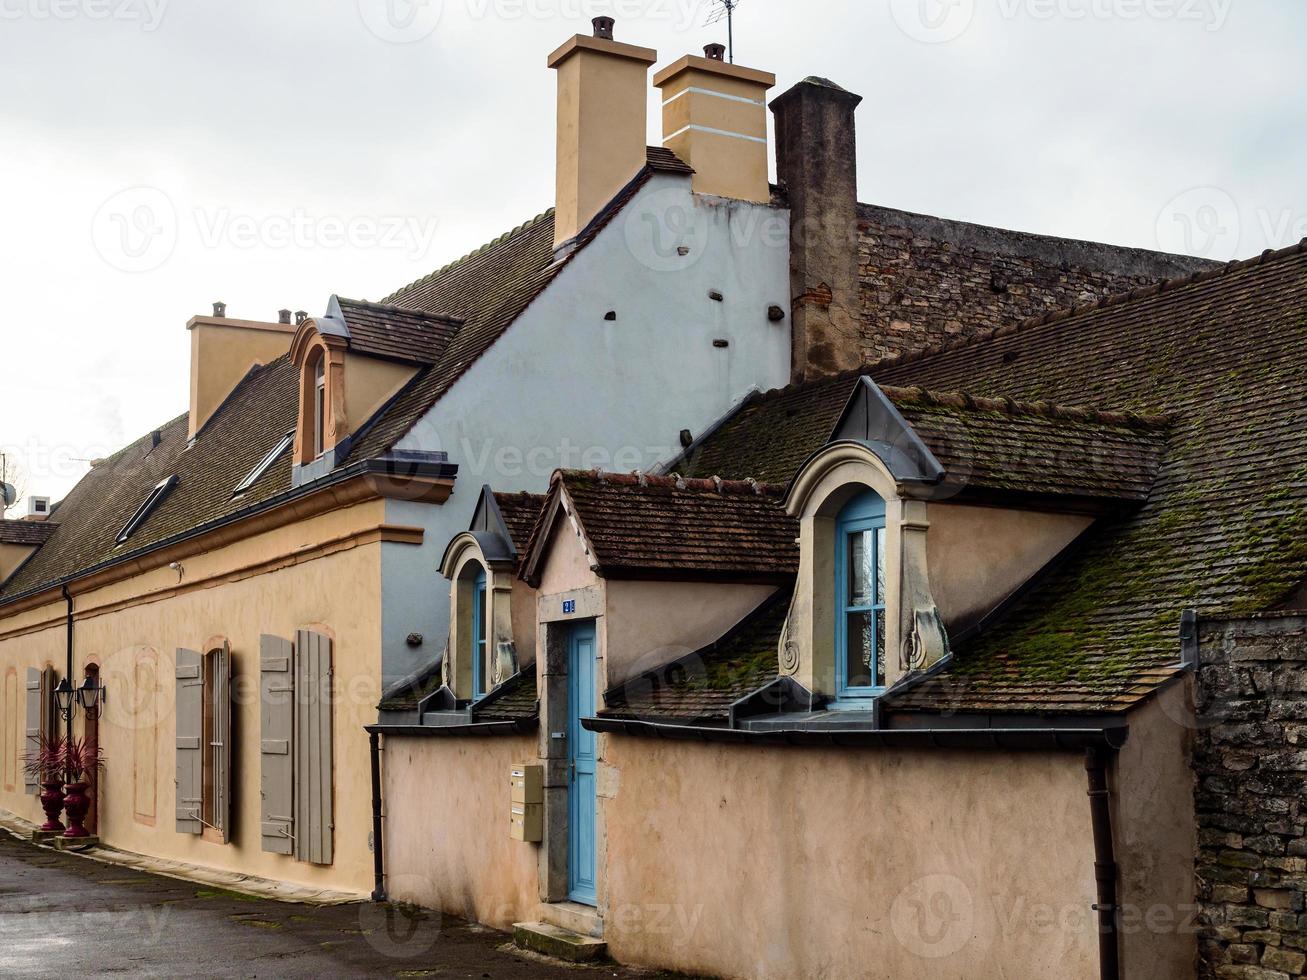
(378, 845)
(68, 713)
(1100, 808)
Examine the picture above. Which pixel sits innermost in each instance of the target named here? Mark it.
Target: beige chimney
(602, 128)
(222, 352)
(715, 119)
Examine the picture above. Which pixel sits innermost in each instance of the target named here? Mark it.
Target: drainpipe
(378, 845)
(1100, 808)
(68, 712)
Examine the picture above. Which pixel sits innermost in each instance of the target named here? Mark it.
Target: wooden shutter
(35, 724)
(314, 815)
(276, 744)
(222, 741)
(190, 736)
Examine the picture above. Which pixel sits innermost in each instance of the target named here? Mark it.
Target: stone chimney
(715, 119)
(602, 123)
(223, 350)
(816, 153)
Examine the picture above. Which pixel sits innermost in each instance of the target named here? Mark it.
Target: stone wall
(927, 280)
(1250, 763)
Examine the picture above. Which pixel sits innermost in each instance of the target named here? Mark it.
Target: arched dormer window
(860, 589)
(319, 404)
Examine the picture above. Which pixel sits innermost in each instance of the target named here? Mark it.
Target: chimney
(816, 153)
(715, 119)
(219, 310)
(602, 111)
(283, 316)
(223, 350)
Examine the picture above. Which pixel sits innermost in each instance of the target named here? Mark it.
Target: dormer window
(265, 464)
(147, 508)
(319, 406)
(860, 642)
(480, 663)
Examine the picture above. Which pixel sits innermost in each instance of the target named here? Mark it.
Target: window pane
(859, 569)
(880, 567)
(858, 666)
(880, 647)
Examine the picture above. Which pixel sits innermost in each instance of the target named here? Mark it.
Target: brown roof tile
(34, 533)
(396, 333)
(520, 512)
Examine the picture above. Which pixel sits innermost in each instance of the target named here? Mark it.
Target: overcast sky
(157, 155)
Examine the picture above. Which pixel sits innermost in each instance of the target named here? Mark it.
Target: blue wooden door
(581, 768)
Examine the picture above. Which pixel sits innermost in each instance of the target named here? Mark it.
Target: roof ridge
(1012, 406)
(407, 310)
(506, 236)
(675, 481)
(1071, 312)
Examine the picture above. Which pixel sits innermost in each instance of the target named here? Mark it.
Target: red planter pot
(77, 804)
(52, 802)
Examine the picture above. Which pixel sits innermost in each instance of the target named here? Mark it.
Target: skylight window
(257, 473)
(146, 509)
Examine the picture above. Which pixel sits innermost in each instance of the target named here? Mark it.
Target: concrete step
(574, 917)
(563, 944)
(73, 843)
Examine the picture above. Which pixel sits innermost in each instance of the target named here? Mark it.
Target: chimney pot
(300, 317)
(604, 27)
(219, 310)
(283, 316)
(717, 52)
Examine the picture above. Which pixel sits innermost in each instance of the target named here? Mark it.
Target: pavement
(63, 916)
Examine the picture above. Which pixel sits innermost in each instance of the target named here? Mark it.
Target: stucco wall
(777, 864)
(326, 577)
(1156, 838)
(447, 828)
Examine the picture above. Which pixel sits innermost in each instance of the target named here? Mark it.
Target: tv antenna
(726, 13)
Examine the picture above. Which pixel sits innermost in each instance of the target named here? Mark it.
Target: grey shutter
(222, 742)
(276, 744)
(314, 817)
(35, 724)
(190, 735)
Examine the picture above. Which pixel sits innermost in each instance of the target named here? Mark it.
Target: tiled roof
(658, 525)
(515, 700)
(1003, 447)
(254, 418)
(702, 687)
(1224, 530)
(396, 333)
(33, 533)
(520, 512)
(487, 290)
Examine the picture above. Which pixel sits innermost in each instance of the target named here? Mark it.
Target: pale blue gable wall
(566, 387)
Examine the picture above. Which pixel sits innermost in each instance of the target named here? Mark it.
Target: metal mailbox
(528, 784)
(527, 822)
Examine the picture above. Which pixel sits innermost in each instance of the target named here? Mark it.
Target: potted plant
(46, 765)
(81, 759)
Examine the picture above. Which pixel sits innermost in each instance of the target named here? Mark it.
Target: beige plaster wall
(770, 863)
(650, 624)
(978, 556)
(300, 576)
(1155, 831)
(369, 383)
(12, 556)
(447, 828)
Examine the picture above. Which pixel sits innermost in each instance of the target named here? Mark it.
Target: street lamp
(65, 696)
(91, 695)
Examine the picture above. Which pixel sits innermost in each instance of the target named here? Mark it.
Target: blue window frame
(480, 673)
(860, 598)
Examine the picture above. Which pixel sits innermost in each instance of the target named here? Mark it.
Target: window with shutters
(204, 749)
(297, 815)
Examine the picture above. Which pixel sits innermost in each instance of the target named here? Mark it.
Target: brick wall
(928, 280)
(1250, 763)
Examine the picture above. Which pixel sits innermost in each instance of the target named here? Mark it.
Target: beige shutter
(222, 740)
(276, 744)
(314, 814)
(190, 735)
(35, 723)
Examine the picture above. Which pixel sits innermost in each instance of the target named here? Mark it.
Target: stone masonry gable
(1250, 767)
(929, 280)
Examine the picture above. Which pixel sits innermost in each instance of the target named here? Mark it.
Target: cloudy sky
(157, 155)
